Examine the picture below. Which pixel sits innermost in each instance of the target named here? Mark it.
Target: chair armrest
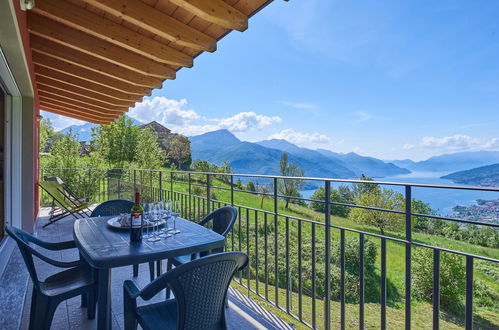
(53, 246)
(130, 289)
(157, 285)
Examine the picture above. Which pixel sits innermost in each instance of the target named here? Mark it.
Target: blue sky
(390, 79)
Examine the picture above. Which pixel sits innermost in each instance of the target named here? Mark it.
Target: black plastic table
(105, 248)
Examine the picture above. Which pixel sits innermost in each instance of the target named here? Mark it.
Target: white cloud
(304, 106)
(408, 146)
(163, 110)
(459, 142)
(364, 116)
(303, 139)
(174, 115)
(60, 122)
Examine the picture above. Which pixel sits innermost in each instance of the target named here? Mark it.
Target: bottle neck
(137, 198)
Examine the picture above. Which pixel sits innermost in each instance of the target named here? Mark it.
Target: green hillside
(486, 176)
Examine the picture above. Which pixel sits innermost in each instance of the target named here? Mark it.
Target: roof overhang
(94, 59)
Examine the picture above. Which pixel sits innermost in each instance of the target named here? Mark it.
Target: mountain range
(263, 157)
(451, 162)
(485, 176)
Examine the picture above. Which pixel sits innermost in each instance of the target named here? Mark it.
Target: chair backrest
(200, 287)
(222, 220)
(112, 207)
(57, 192)
(23, 239)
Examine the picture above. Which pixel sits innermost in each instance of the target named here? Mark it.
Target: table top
(105, 247)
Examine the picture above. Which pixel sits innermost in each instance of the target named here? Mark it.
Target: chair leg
(169, 266)
(151, 271)
(84, 300)
(159, 267)
(91, 304)
(32, 313)
(44, 312)
(135, 270)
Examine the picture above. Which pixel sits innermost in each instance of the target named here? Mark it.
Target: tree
(250, 186)
(149, 154)
(289, 187)
(180, 151)
(46, 131)
(452, 277)
(382, 199)
(116, 143)
(361, 188)
(264, 190)
(341, 195)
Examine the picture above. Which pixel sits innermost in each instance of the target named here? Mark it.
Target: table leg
(104, 296)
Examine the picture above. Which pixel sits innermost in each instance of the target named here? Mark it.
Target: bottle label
(136, 220)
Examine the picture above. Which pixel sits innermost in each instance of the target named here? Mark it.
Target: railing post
(134, 179)
(232, 190)
(171, 185)
(276, 251)
(208, 193)
(327, 267)
(88, 187)
(408, 270)
(190, 193)
(161, 185)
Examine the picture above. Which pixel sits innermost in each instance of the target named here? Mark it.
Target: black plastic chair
(78, 280)
(116, 207)
(220, 221)
(200, 289)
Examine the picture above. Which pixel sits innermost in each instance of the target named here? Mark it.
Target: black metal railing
(298, 264)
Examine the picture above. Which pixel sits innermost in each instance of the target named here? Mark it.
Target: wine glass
(153, 214)
(167, 214)
(160, 212)
(145, 220)
(175, 213)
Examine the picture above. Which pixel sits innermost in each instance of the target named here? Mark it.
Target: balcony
(358, 291)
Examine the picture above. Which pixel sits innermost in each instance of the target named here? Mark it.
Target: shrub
(452, 278)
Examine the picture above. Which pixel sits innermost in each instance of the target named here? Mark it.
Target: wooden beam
(216, 11)
(80, 19)
(77, 104)
(65, 78)
(83, 60)
(73, 96)
(73, 108)
(40, 80)
(104, 50)
(82, 73)
(75, 114)
(157, 22)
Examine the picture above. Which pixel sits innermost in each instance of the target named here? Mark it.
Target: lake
(441, 199)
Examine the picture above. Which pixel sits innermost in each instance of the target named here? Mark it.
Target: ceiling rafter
(216, 11)
(76, 103)
(46, 81)
(65, 112)
(157, 22)
(62, 105)
(65, 35)
(89, 62)
(82, 73)
(56, 105)
(86, 21)
(71, 80)
(73, 96)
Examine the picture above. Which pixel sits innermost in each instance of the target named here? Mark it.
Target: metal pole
(408, 270)
(327, 229)
(208, 192)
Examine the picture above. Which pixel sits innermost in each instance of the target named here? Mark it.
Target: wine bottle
(136, 220)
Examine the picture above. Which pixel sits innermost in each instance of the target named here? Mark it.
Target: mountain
(404, 163)
(456, 162)
(487, 176)
(253, 158)
(84, 131)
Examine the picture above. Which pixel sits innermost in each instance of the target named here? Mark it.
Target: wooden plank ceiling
(95, 58)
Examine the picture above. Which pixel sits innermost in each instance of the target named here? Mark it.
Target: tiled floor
(241, 314)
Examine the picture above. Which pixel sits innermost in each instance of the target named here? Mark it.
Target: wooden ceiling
(95, 58)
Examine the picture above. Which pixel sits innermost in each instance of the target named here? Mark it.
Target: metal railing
(293, 260)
